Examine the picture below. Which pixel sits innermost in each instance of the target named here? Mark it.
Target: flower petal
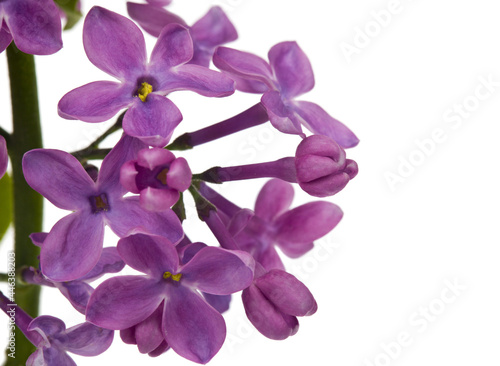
(193, 329)
(218, 302)
(73, 247)
(47, 325)
(50, 356)
(109, 262)
(274, 198)
(294, 250)
(128, 217)
(265, 317)
(154, 199)
(86, 339)
(148, 334)
(5, 36)
(121, 302)
(4, 156)
(149, 254)
(292, 69)
(35, 25)
(114, 44)
(174, 47)
(308, 222)
(279, 114)
(152, 18)
(213, 29)
(287, 293)
(151, 158)
(95, 102)
(318, 121)
(77, 293)
(218, 271)
(179, 175)
(244, 65)
(198, 79)
(59, 177)
(152, 121)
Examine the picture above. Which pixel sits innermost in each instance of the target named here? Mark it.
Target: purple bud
(322, 167)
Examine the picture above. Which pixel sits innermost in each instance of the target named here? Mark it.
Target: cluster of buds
(138, 190)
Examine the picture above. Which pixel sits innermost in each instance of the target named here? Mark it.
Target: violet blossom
(116, 45)
(74, 244)
(34, 25)
(52, 340)
(158, 176)
(193, 329)
(287, 75)
(275, 300)
(209, 32)
(4, 156)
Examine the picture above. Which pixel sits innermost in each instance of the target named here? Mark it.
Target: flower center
(162, 176)
(144, 90)
(175, 277)
(99, 203)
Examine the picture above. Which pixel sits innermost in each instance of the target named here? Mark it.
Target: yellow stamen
(144, 90)
(162, 176)
(175, 277)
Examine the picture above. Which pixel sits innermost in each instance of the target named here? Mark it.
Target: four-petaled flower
(192, 327)
(287, 75)
(116, 45)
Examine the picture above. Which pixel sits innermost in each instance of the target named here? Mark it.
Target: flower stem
(283, 169)
(28, 204)
(253, 116)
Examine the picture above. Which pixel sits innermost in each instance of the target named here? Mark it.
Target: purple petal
(294, 250)
(152, 18)
(35, 25)
(109, 175)
(308, 222)
(213, 29)
(292, 69)
(4, 156)
(124, 301)
(179, 175)
(193, 329)
(77, 292)
(200, 80)
(151, 158)
(129, 217)
(148, 334)
(5, 36)
(73, 247)
(239, 221)
(95, 102)
(59, 177)
(279, 114)
(50, 356)
(269, 258)
(152, 255)
(159, 2)
(218, 302)
(188, 250)
(109, 262)
(174, 47)
(318, 121)
(264, 316)
(161, 349)
(38, 238)
(274, 198)
(287, 293)
(114, 44)
(154, 199)
(244, 65)
(218, 271)
(152, 121)
(47, 325)
(127, 335)
(86, 339)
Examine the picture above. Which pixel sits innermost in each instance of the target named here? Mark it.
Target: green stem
(28, 204)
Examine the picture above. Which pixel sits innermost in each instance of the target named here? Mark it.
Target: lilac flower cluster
(184, 287)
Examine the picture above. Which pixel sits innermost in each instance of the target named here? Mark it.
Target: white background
(398, 246)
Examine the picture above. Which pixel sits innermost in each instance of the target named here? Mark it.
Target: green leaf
(5, 204)
(70, 8)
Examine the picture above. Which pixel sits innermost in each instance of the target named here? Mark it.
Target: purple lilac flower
(274, 224)
(275, 300)
(73, 246)
(52, 340)
(158, 176)
(34, 25)
(322, 167)
(287, 75)
(116, 45)
(78, 291)
(193, 329)
(209, 32)
(4, 156)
